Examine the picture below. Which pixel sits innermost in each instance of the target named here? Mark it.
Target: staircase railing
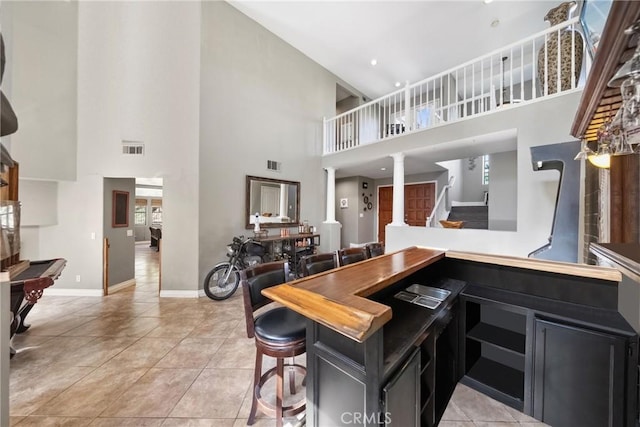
(521, 72)
(440, 209)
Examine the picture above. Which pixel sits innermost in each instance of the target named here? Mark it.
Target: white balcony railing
(522, 72)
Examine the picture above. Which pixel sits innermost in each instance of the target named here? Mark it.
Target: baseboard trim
(69, 292)
(179, 294)
(120, 286)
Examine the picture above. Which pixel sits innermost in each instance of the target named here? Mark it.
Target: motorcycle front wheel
(216, 287)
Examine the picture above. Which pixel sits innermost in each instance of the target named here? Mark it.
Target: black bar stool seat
(280, 325)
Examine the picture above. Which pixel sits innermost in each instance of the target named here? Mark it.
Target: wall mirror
(276, 201)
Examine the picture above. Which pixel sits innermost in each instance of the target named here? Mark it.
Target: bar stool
(279, 333)
(375, 249)
(312, 264)
(351, 255)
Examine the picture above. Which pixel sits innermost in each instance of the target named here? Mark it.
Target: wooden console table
(291, 247)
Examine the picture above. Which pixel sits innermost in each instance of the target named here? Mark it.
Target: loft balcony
(528, 71)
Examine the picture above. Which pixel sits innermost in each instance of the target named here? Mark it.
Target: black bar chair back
(313, 264)
(350, 255)
(375, 249)
(279, 333)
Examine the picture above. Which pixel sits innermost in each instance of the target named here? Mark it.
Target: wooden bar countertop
(337, 298)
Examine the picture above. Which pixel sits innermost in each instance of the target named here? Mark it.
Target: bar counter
(526, 332)
(337, 298)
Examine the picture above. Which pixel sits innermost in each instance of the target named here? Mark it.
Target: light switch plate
(129, 233)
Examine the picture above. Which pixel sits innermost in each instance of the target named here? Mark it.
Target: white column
(398, 189)
(331, 195)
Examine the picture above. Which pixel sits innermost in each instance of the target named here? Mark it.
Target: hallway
(134, 359)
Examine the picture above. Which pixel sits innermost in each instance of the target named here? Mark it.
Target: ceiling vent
(272, 165)
(133, 147)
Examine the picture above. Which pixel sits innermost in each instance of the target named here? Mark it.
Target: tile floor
(134, 359)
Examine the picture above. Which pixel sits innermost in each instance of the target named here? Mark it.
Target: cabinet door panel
(402, 395)
(578, 376)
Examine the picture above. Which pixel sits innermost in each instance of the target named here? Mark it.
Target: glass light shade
(584, 152)
(600, 160)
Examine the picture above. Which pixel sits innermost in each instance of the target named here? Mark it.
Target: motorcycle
(223, 280)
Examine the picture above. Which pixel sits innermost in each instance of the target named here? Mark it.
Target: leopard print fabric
(570, 42)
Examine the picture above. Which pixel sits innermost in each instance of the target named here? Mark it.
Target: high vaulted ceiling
(411, 40)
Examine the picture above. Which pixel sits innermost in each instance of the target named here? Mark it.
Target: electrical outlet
(77, 278)
(93, 236)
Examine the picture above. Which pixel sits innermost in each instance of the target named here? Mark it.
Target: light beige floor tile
(521, 417)
(126, 422)
(56, 326)
(456, 424)
(14, 420)
(495, 424)
(216, 393)
(479, 407)
(99, 351)
(191, 353)
(174, 327)
(453, 413)
(199, 422)
(93, 394)
(235, 353)
(29, 393)
(34, 421)
(260, 422)
(136, 327)
(167, 386)
(98, 327)
(38, 356)
(215, 328)
(145, 352)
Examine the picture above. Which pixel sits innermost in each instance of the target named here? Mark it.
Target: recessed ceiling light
(487, 1)
(383, 169)
(495, 23)
(397, 84)
(374, 61)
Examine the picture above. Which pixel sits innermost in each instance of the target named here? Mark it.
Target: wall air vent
(272, 165)
(133, 147)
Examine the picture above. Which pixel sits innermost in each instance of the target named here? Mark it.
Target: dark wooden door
(579, 376)
(418, 204)
(385, 210)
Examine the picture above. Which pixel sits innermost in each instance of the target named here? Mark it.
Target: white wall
(41, 40)
(455, 169)
(261, 100)
(471, 180)
(38, 203)
(536, 190)
(503, 191)
(131, 61)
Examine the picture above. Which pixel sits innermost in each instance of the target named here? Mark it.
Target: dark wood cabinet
(401, 395)
(579, 376)
(535, 355)
(495, 342)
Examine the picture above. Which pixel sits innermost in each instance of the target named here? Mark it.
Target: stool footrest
(270, 409)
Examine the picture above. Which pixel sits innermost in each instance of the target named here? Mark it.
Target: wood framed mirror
(276, 201)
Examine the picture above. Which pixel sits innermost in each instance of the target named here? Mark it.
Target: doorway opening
(147, 230)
